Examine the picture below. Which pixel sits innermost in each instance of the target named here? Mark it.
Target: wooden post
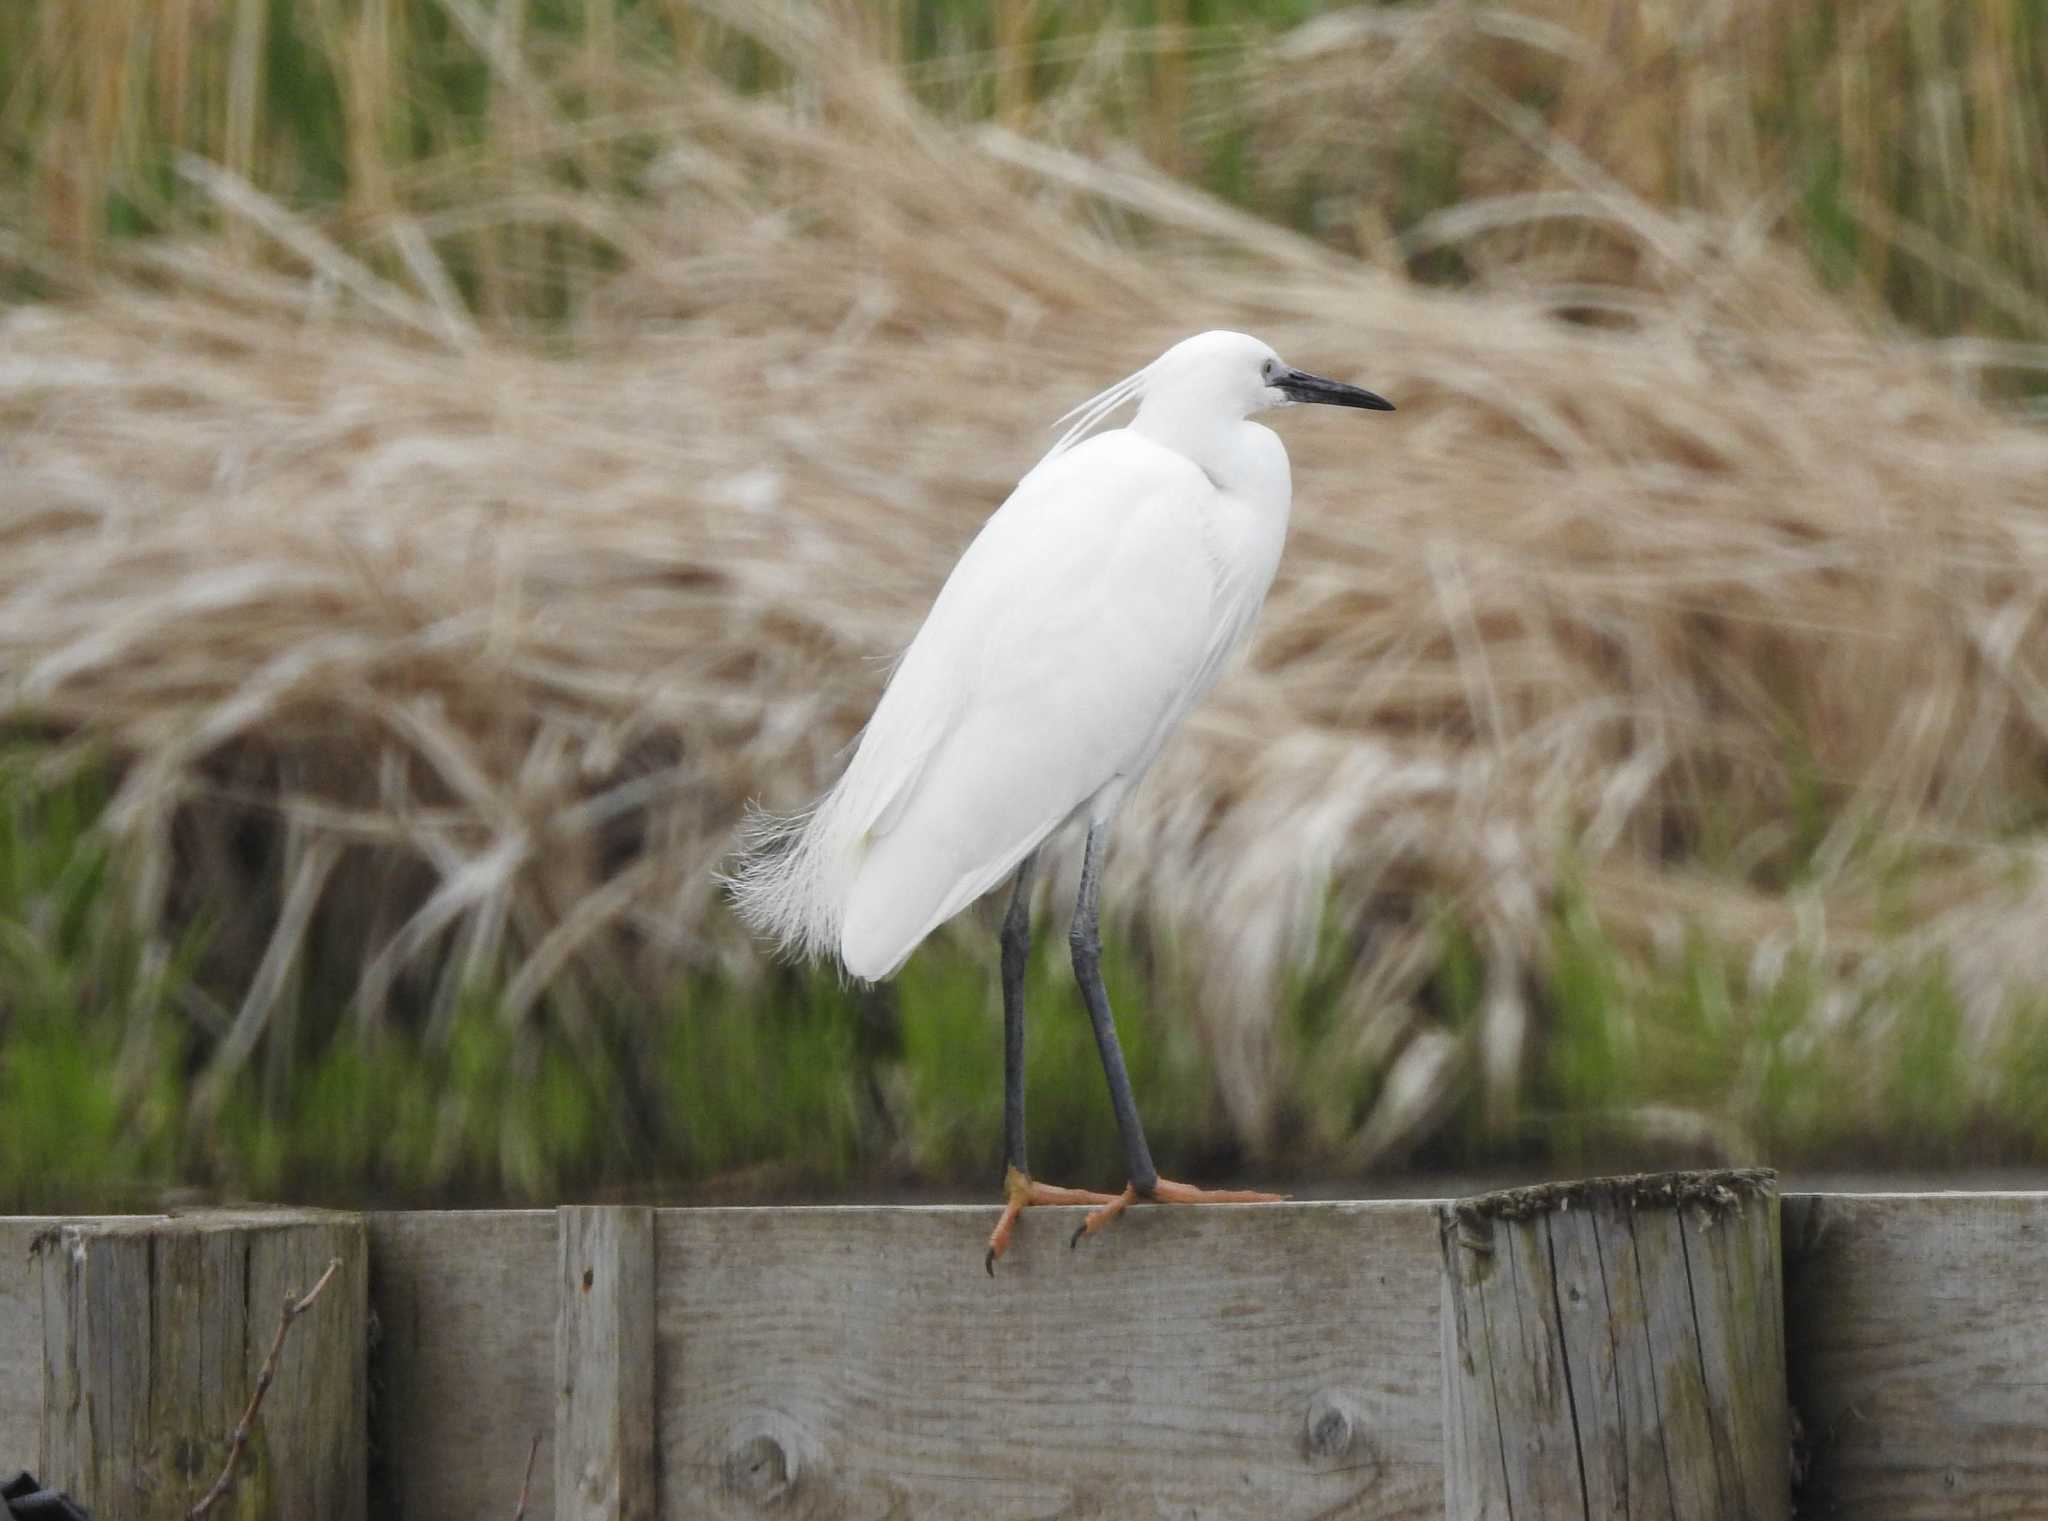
(604, 1364)
(154, 1330)
(1616, 1348)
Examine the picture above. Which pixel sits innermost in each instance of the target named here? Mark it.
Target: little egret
(1096, 606)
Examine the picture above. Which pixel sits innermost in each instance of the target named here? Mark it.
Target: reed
(478, 486)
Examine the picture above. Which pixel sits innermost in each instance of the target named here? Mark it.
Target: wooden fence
(1278, 1361)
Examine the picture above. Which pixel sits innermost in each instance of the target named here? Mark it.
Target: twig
(293, 1309)
(526, 1483)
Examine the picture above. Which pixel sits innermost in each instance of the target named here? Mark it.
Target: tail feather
(790, 878)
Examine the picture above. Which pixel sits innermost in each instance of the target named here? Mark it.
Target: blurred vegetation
(467, 148)
(1900, 141)
(104, 1103)
(824, 1087)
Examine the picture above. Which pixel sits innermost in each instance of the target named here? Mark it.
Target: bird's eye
(1269, 369)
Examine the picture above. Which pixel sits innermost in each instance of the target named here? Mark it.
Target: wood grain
(21, 1340)
(1917, 1353)
(1613, 1348)
(1277, 1361)
(1228, 1361)
(154, 1331)
(465, 1316)
(604, 1364)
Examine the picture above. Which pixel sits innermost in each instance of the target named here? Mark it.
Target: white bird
(1092, 611)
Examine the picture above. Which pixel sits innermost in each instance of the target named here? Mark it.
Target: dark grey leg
(1016, 952)
(1086, 940)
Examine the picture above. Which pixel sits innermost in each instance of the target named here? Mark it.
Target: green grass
(809, 1084)
(951, 1019)
(1801, 1067)
(89, 1038)
(805, 1082)
(777, 1082)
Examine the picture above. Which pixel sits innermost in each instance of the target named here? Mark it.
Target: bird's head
(1236, 375)
(1210, 381)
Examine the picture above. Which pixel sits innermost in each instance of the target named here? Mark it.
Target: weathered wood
(604, 1364)
(1272, 1360)
(1917, 1353)
(21, 1339)
(1615, 1348)
(154, 1331)
(465, 1309)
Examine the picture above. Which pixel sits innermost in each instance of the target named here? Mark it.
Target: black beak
(1298, 385)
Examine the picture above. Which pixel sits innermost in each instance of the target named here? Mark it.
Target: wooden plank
(464, 1304)
(1272, 1360)
(323, 1373)
(1568, 1399)
(1598, 1269)
(1735, 1282)
(604, 1364)
(1515, 1294)
(21, 1340)
(858, 1357)
(154, 1333)
(1916, 1331)
(1475, 1464)
(1692, 1457)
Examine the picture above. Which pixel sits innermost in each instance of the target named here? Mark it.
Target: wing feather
(1064, 642)
(1075, 629)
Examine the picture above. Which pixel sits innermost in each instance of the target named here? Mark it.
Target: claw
(1021, 1192)
(1165, 1192)
(1108, 1211)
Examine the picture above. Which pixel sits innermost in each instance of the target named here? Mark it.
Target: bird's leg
(1085, 939)
(1016, 941)
(1019, 1191)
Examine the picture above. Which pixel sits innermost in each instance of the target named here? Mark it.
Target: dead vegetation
(447, 656)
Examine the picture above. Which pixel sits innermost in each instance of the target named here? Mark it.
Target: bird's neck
(1239, 456)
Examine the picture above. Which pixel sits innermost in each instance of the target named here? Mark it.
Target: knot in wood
(767, 1456)
(775, 1460)
(761, 1468)
(1334, 1424)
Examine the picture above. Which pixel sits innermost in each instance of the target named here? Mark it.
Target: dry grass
(1903, 145)
(435, 656)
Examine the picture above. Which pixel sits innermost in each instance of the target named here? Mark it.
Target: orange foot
(1020, 1193)
(1165, 1192)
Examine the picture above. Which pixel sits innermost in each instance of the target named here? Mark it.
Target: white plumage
(1095, 607)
